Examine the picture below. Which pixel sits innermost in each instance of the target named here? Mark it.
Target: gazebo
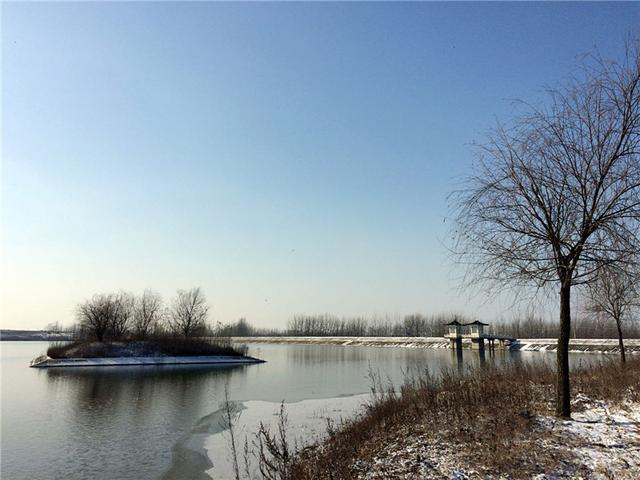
(455, 334)
(476, 329)
(455, 328)
(476, 333)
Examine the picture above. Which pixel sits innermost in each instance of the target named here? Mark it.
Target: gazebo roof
(455, 322)
(477, 322)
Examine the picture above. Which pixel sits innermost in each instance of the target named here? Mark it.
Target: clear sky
(287, 158)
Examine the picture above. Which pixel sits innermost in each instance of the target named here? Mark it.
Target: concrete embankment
(46, 362)
(407, 342)
(576, 345)
(534, 344)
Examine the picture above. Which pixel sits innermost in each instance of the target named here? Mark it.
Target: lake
(164, 422)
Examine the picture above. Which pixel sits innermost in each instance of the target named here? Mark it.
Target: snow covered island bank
(576, 345)
(45, 361)
(164, 351)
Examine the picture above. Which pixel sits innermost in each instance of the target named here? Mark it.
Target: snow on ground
(409, 458)
(599, 442)
(604, 439)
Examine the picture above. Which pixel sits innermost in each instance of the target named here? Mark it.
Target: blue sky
(287, 158)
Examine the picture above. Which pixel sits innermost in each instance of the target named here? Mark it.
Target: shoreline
(599, 346)
(600, 441)
(307, 422)
(48, 362)
(488, 424)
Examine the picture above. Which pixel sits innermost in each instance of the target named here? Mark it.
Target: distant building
(476, 329)
(455, 328)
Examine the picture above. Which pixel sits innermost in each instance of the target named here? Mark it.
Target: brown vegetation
(482, 417)
(156, 347)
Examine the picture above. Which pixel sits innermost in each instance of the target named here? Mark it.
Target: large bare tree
(189, 312)
(123, 314)
(614, 293)
(147, 313)
(556, 193)
(106, 315)
(96, 316)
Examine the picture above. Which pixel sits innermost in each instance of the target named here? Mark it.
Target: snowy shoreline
(603, 441)
(307, 422)
(526, 344)
(47, 362)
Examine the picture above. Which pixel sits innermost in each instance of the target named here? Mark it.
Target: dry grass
(485, 417)
(164, 346)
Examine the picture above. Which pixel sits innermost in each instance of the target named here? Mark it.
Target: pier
(474, 331)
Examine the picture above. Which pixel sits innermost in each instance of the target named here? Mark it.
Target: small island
(122, 329)
(159, 351)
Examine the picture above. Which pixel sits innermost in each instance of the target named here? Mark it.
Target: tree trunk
(563, 400)
(623, 357)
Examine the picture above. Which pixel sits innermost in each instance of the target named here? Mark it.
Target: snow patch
(604, 438)
(307, 422)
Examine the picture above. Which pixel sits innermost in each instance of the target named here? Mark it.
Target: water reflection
(482, 357)
(307, 355)
(456, 358)
(98, 394)
(139, 412)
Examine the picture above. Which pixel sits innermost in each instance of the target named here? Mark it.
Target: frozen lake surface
(164, 422)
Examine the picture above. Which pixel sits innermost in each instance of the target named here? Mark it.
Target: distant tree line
(592, 325)
(587, 326)
(242, 328)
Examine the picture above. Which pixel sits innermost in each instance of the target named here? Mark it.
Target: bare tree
(556, 194)
(96, 316)
(54, 327)
(274, 451)
(229, 420)
(147, 313)
(124, 304)
(614, 293)
(189, 312)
